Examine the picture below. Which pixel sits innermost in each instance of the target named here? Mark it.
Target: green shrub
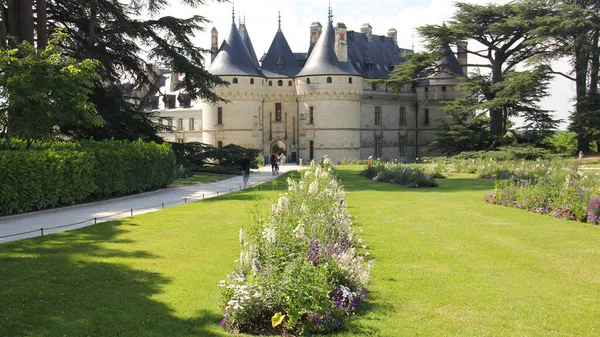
(196, 156)
(51, 174)
(410, 175)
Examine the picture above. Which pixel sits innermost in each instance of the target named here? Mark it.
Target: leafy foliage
(207, 158)
(45, 90)
(54, 174)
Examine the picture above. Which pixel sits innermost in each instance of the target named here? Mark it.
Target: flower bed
(301, 269)
(409, 175)
(557, 188)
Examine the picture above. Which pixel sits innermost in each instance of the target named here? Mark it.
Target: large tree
(111, 32)
(501, 38)
(574, 32)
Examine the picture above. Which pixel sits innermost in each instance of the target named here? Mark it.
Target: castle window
(426, 89)
(329, 80)
(280, 83)
(350, 80)
(170, 123)
(278, 112)
(311, 115)
(378, 146)
(179, 124)
(402, 145)
(443, 88)
(377, 115)
(251, 81)
(220, 144)
(402, 116)
(308, 81)
(220, 115)
(270, 83)
(311, 150)
(289, 83)
(426, 117)
(235, 80)
(373, 86)
(191, 124)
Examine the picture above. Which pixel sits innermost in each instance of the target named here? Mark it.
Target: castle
(313, 104)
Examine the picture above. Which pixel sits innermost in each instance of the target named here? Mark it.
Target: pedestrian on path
(245, 163)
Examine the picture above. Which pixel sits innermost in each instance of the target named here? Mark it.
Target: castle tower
(329, 92)
(239, 121)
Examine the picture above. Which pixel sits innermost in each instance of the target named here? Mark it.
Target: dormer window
(235, 80)
(280, 83)
(270, 83)
(329, 80)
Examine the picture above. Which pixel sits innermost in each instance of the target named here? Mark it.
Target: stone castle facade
(316, 103)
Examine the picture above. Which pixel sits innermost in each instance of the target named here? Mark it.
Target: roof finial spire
(233, 13)
(244, 17)
(330, 13)
(279, 18)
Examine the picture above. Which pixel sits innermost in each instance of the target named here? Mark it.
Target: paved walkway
(67, 218)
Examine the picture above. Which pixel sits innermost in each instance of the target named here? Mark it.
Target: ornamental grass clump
(302, 270)
(409, 175)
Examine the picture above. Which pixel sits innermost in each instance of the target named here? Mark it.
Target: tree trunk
(3, 43)
(580, 120)
(20, 23)
(496, 114)
(42, 28)
(92, 28)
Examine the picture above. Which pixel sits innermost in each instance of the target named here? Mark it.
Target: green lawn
(447, 264)
(201, 178)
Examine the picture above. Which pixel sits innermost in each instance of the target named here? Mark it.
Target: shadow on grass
(62, 285)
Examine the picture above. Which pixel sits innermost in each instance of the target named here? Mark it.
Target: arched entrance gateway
(279, 147)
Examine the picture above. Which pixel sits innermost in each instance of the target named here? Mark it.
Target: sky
(261, 19)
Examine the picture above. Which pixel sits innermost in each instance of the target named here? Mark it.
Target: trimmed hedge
(55, 174)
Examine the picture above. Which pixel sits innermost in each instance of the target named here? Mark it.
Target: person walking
(245, 163)
(274, 164)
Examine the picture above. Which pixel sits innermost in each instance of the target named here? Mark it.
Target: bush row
(302, 270)
(556, 188)
(53, 174)
(409, 175)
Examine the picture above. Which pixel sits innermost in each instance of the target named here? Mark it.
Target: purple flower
(223, 322)
(313, 252)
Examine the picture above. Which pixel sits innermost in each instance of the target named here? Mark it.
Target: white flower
(270, 235)
(299, 231)
(313, 188)
(242, 235)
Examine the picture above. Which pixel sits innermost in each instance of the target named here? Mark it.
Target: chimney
(214, 43)
(461, 55)
(393, 34)
(341, 43)
(368, 31)
(315, 32)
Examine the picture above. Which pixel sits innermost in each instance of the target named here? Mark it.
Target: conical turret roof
(246, 38)
(323, 60)
(449, 62)
(280, 61)
(233, 57)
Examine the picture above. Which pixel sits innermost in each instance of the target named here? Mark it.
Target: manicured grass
(447, 264)
(201, 178)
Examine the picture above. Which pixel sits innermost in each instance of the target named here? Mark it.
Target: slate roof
(323, 60)
(246, 38)
(374, 59)
(233, 57)
(280, 61)
(448, 62)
